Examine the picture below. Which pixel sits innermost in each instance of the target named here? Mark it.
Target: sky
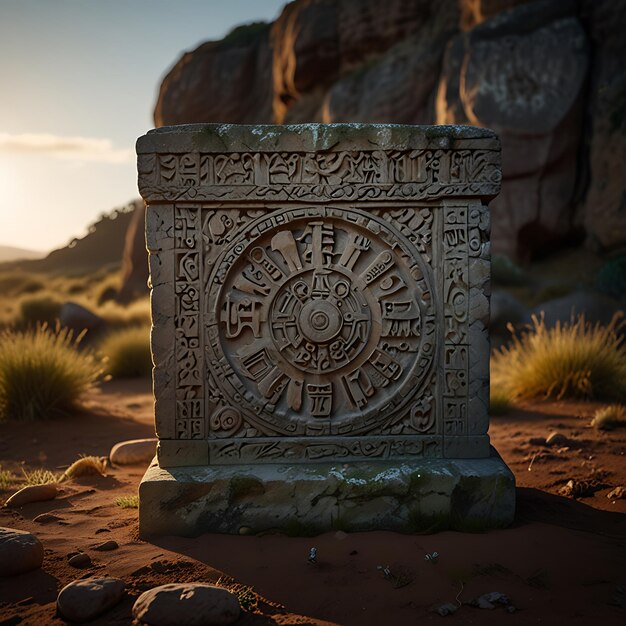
(78, 84)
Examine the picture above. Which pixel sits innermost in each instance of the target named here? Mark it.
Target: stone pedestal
(320, 302)
(299, 499)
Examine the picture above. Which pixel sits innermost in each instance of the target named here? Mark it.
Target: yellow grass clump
(610, 417)
(127, 352)
(43, 374)
(41, 477)
(7, 478)
(86, 466)
(571, 360)
(127, 502)
(500, 402)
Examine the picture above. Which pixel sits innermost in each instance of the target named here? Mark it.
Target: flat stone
(415, 496)
(133, 451)
(557, 439)
(84, 600)
(80, 560)
(192, 604)
(32, 493)
(107, 546)
(20, 552)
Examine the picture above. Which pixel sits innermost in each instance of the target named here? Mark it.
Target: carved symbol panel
(320, 321)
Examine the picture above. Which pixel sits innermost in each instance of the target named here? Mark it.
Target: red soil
(561, 560)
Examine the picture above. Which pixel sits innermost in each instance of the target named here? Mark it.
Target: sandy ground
(561, 559)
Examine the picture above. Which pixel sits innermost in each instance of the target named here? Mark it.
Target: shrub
(86, 466)
(128, 352)
(500, 401)
(41, 477)
(39, 310)
(609, 417)
(43, 374)
(7, 479)
(573, 360)
(128, 502)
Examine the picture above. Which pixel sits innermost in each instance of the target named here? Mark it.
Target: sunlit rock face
(546, 74)
(522, 73)
(221, 81)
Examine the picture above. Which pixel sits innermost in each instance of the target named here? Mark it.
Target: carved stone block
(320, 294)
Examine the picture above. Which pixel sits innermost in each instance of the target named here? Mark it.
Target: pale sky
(78, 84)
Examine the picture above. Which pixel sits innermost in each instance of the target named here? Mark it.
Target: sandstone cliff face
(547, 75)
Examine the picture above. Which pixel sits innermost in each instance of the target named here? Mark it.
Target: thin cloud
(73, 148)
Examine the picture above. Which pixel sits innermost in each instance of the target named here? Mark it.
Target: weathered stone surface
(192, 604)
(240, 64)
(32, 493)
(604, 212)
(84, 600)
(430, 495)
(133, 451)
(522, 73)
(20, 552)
(320, 295)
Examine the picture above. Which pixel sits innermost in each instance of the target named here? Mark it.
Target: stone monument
(320, 304)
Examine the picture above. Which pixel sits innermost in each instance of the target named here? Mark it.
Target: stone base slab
(417, 496)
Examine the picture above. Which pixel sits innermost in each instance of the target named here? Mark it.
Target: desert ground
(563, 558)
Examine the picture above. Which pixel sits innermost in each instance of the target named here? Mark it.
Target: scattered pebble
(447, 609)
(46, 518)
(80, 560)
(133, 452)
(580, 488)
(20, 552)
(32, 493)
(313, 555)
(490, 600)
(557, 439)
(83, 600)
(192, 604)
(619, 493)
(107, 545)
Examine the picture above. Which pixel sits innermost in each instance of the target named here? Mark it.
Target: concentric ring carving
(320, 321)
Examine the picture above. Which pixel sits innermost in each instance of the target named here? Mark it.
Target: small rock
(619, 493)
(490, 600)
(245, 530)
(32, 493)
(192, 604)
(511, 609)
(20, 552)
(557, 439)
(83, 600)
(107, 545)
(133, 452)
(447, 609)
(78, 318)
(46, 518)
(80, 560)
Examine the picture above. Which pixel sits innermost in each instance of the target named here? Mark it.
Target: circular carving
(321, 322)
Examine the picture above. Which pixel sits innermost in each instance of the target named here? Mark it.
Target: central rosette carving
(321, 321)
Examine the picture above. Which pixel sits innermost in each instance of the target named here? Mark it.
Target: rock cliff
(547, 75)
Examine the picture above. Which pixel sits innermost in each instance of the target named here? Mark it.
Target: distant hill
(102, 245)
(11, 253)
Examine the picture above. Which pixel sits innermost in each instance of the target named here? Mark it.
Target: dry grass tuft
(43, 374)
(609, 417)
(41, 477)
(7, 479)
(500, 402)
(572, 360)
(127, 352)
(128, 502)
(87, 466)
